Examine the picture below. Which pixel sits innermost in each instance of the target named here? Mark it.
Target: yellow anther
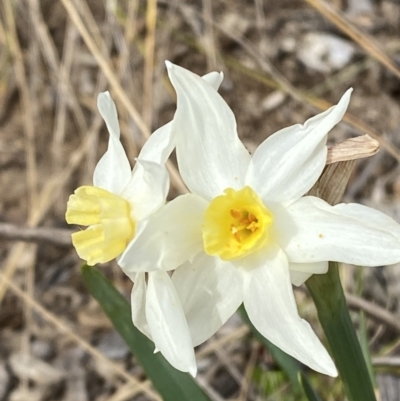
(237, 214)
(236, 224)
(108, 216)
(251, 217)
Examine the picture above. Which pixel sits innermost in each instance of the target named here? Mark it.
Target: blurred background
(283, 61)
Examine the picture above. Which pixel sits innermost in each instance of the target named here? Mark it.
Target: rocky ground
(283, 61)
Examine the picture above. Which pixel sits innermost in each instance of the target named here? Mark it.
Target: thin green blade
(310, 393)
(327, 293)
(169, 382)
(365, 348)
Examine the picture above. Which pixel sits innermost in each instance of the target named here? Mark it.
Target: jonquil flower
(115, 210)
(246, 232)
(119, 199)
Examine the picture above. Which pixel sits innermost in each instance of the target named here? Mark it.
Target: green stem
(170, 383)
(327, 293)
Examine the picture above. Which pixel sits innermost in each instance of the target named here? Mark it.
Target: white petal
(161, 143)
(210, 155)
(313, 268)
(113, 170)
(310, 230)
(159, 146)
(147, 189)
(168, 238)
(375, 218)
(167, 323)
(298, 278)
(210, 291)
(301, 272)
(287, 164)
(271, 307)
(108, 111)
(214, 79)
(138, 304)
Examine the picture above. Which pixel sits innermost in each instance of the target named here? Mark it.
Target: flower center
(236, 224)
(109, 221)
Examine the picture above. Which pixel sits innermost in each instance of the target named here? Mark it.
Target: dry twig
(375, 311)
(56, 236)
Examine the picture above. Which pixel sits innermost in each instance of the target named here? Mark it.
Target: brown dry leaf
(352, 149)
(340, 163)
(333, 181)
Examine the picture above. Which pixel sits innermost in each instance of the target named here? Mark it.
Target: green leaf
(169, 382)
(327, 293)
(307, 388)
(365, 348)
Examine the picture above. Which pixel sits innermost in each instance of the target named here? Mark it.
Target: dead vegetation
(282, 60)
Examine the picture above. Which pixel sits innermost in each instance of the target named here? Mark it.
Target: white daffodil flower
(120, 198)
(245, 231)
(116, 209)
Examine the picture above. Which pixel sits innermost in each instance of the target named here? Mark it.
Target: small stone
(113, 346)
(324, 52)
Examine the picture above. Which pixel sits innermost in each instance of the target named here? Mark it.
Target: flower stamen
(236, 224)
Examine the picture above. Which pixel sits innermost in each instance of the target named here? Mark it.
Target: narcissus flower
(115, 210)
(246, 233)
(120, 198)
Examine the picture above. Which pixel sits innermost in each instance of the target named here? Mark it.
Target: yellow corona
(109, 220)
(236, 224)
